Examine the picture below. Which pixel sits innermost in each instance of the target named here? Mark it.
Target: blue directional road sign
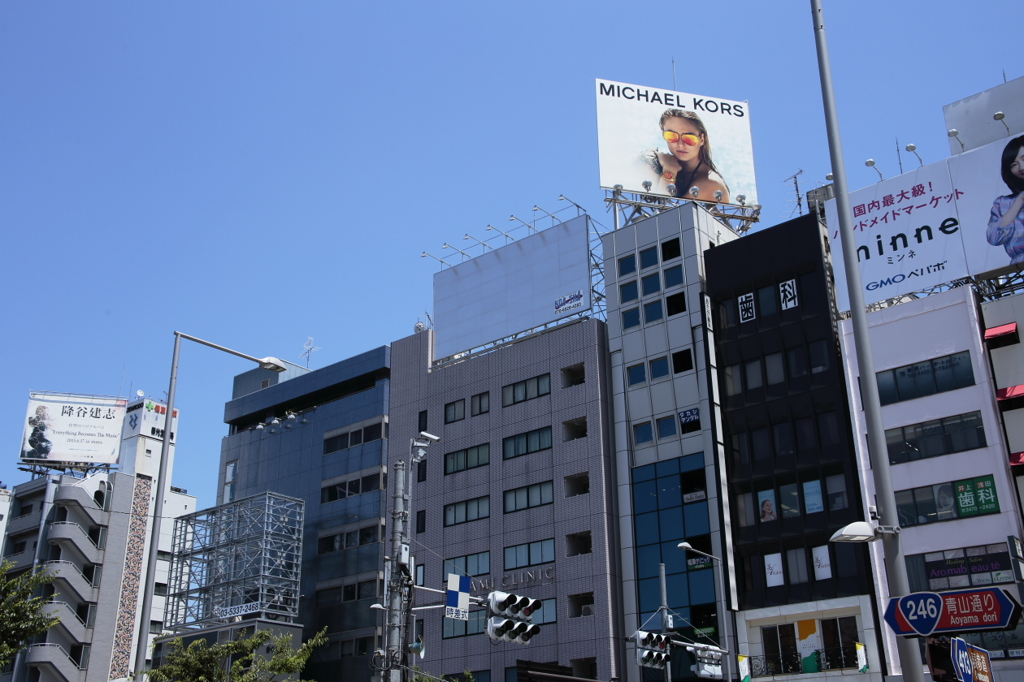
(924, 613)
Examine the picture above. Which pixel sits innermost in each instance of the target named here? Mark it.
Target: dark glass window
(653, 311)
(421, 521)
(925, 378)
(464, 512)
(819, 356)
(666, 427)
(470, 458)
(637, 374)
(643, 433)
(529, 496)
(682, 361)
(753, 374)
(783, 437)
(648, 258)
(727, 313)
(935, 438)
(455, 411)
(480, 403)
(526, 443)
(372, 432)
(659, 368)
(676, 303)
(760, 444)
(471, 565)
(631, 318)
(670, 249)
(651, 284)
(529, 554)
(673, 276)
(423, 421)
(628, 292)
(797, 360)
(627, 265)
(421, 471)
(526, 390)
(774, 370)
(766, 301)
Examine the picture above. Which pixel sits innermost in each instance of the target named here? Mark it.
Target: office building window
(934, 438)
(627, 265)
(666, 427)
(351, 487)
(630, 318)
(547, 613)
(470, 458)
(347, 540)
(925, 378)
(673, 276)
(526, 443)
(648, 258)
(651, 284)
(682, 361)
(423, 421)
(470, 510)
(421, 471)
(420, 571)
(796, 565)
(476, 624)
(530, 554)
(230, 473)
(947, 501)
(659, 368)
(421, 521)
(819, 352)
(628, 292)
(643, 433)
(653, 311)
(472, 565)
(675, 304)
(780, 652)
(529, 496)
(480, 403)
(455, 411)
(526, 390)
(774, 370)
(670, 249)
(839, 638)
(343, 441)
(637, 374)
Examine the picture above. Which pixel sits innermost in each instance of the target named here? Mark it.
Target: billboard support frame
(628, 211)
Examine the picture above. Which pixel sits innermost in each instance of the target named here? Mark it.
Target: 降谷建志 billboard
(955, 218)
(676, 141)
(63, 427)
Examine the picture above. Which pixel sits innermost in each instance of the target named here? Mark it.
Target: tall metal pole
(158, 511)
(724, 621)
(398, 515)
(895, 566)
(665, 618)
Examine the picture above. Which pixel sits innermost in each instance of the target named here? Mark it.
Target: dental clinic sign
(927, 227)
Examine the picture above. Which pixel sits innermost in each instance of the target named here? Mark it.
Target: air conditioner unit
(587, 610)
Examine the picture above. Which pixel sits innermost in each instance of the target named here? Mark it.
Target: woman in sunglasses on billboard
(688, 163)
(1006, 224)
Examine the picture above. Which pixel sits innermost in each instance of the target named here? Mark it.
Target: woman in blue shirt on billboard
(688, 163)
(1006, 223)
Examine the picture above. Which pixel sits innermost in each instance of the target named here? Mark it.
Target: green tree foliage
(200, 662)
(22, 616)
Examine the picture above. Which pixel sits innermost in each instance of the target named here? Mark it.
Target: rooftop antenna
(796, 188)
(674, 74)
(309, 349)
(899, 157)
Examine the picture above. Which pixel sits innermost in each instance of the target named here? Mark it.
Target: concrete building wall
(586, 631)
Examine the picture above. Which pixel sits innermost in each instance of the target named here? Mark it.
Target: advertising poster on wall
(766, 506)
(63, 427)
(812, 497)
(674, 138)
(951, 219)
(773, 570)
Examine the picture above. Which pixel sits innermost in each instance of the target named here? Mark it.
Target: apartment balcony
(75, 496)
(68, 579)
(20, 524)
(56, 660)
(76, 628)
(65, 533)
(21, 559)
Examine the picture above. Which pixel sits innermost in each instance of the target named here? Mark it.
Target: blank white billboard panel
(525, 284)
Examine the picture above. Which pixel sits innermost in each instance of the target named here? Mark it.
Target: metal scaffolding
(241, 559)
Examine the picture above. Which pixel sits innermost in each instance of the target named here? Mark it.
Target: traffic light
(709, 660)
(510, 617)
(652, 649)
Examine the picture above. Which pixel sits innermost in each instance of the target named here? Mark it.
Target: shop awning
(1010, 392)
(1001, 330)
(1017, 458)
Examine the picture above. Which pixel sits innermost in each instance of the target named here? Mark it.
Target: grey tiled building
(519, 493)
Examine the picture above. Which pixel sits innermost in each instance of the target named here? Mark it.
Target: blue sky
(258, 173)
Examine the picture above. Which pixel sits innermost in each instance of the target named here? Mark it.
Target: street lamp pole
(723, 616)
(895, 566)
(165, 448)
